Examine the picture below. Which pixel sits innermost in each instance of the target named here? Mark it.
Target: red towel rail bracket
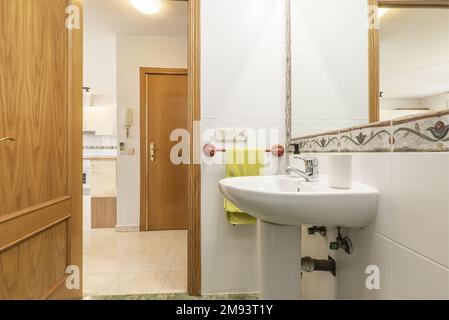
(210, 150)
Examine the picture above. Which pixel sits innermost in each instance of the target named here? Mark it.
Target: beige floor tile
(133, 262)
(180, 261)
(102, 262)
(155, 261)
(138, 283)
(176, 282)
(98, 284)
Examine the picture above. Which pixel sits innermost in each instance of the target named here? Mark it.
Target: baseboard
(127, 228)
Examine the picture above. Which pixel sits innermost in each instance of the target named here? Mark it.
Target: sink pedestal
(280, 261)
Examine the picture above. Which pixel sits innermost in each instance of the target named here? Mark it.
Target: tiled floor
(134, 262)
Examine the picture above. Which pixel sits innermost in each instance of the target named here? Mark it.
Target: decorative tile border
(419, 133)
(422, 134)
(371, 138)
(99, 147)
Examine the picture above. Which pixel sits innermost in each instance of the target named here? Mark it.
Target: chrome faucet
(311, 173)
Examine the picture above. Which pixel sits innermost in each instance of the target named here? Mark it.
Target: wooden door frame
(373, 48)
(194, 107)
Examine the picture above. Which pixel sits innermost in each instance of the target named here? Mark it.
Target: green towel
(239, 163)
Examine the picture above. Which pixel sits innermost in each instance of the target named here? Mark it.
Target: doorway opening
(123, 254)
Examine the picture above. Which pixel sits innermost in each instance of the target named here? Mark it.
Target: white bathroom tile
(420, 203)
(211, 174)
(242, 90)
(370, 249)
(216, 230)
(229, 270)
(374, 170)
(415, 277)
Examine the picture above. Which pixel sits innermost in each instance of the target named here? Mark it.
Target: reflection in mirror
(329, 42)
(414, 61)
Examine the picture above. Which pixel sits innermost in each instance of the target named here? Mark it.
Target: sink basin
(288, 200)
(283, 204)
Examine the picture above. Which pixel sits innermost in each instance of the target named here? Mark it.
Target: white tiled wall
(409, 238)
(243, 86)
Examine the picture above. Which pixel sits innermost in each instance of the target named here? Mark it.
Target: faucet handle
(311, 165)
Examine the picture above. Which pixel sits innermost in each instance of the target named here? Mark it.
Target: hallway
(134, 262)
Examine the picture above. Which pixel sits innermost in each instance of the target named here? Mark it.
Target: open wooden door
(40, 149)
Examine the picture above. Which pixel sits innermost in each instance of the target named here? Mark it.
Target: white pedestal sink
(283, 204)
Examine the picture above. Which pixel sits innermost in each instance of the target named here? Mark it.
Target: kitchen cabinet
(103, 177)
(89, 119)
(105, 121)
(101, 120)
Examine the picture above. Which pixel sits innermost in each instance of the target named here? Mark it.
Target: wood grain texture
(41, 184)
(33, 102)
(194, 102)
(75, 183)
(168, 184)
(22, 226)
(104, 212)
(373, 71)
(414, 3)
(43, 255)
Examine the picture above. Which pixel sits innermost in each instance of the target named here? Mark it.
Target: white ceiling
(414, 52)
(121, 18)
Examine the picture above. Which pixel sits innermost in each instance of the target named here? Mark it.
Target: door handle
(7, 139)
(152, 152)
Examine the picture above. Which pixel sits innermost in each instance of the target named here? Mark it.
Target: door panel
(168, 183)
(40, 172)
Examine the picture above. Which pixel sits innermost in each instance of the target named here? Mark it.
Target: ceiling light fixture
(147, 6)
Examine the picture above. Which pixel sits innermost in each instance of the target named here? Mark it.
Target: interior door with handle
(166, 109)
(40, 150)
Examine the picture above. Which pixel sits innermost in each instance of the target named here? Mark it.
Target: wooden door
(40, 162)
(166, 109)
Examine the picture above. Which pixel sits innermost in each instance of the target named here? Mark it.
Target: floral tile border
(371, 138)
(325, 142)
(420, 133)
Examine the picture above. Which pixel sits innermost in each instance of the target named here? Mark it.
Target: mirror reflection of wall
(414, 61)
(329, 65)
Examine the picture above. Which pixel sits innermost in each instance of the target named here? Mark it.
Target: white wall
(133, 53)
(433, 103)
(409, 238)
(243, 86)
(436, 102)
(329, 65)
(100, 65)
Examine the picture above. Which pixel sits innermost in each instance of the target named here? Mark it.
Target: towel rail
(210, 150)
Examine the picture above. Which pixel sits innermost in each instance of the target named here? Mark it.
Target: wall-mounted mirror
(345, 55)
(414, 61)
(329, 45)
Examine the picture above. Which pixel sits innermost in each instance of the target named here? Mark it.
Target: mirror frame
(373, 45)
